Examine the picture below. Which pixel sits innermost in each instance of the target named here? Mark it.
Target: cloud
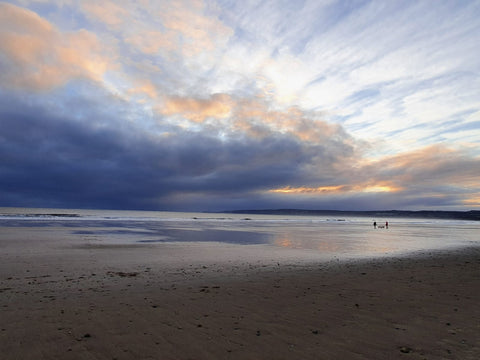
(219, 104)
(37, 56)
(108, 12)
(376, 46)
(182, 31)
(431, 169)
(198, 110)
(61, 159)
(434, 175)
(151, 42)
(252, 117)
(53, 159)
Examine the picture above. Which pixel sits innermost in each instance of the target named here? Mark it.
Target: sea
(325, 236)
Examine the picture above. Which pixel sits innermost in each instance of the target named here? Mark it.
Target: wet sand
(62, 301)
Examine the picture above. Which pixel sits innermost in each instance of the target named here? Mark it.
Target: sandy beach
(77, 301)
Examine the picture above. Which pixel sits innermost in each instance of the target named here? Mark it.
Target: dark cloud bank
(84, 156)
(52, 159)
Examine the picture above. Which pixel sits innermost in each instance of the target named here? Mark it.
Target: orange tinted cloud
(433, 172)
(178, 30)
(40, 57)
(198, 110)
(253, 117)
(308, 190)
(150, 42)
(473, 201)
(338, 189)
(106, 11)
(197, 32)
(436, 164)
(145, 87)
(256, 118)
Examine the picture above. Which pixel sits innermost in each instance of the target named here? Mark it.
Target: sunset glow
(335, 189)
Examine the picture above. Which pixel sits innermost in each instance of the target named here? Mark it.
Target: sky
(202, 105)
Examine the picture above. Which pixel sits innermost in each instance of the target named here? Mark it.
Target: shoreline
(417, 306)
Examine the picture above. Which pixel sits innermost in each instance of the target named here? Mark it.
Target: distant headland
(421, 214)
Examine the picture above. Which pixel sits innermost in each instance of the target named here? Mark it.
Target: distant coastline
(421, 214)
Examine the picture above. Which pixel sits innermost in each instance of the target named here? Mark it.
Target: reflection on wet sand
(283, 241)
(294, 241)
(353, 242)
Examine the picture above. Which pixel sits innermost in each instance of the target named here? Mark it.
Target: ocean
(310, 236)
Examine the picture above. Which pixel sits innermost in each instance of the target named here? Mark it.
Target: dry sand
(154, 302)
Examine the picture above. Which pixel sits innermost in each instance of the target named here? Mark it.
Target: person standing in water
(374, 224)
(386, 224)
